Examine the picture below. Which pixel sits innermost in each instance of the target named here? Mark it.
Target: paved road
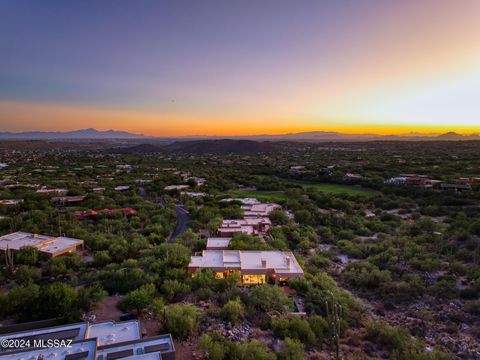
(142, 192)
(182, 222)
(161, 200)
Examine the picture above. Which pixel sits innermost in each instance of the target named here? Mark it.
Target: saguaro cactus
(334, 317)
(9, 258)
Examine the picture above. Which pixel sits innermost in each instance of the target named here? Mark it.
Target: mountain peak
(85, 134)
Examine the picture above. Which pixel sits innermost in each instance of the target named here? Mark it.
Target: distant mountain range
(322, 136)
(313, 136)
(86, 134)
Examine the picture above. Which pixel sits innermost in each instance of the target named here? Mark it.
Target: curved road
(182, 218)
(182, 222)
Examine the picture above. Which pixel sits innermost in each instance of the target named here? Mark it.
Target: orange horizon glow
(51, 117)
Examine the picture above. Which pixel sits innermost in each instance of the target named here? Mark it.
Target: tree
(292, 350)
(232, 311)
(102, 258)
(278, 217)
(26, 275)
(303, 217)
(56, 299)
(27, 255)
(139, 299)
(180, 320)
(173, 255)
(21, 299)
(5, 305)
(89, 296)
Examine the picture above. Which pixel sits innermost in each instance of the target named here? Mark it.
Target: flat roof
(110, 332)
(83, 349)
(147, 348)
(247, 229)
(75, 331)
(260, 208)
(176, 187)
(246, 201)
(216, 242)
(282, 262)
(44, 243)
(122, 339)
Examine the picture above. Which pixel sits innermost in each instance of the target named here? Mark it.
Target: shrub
(296, 328)
(180, 320)
(270, 298)
(232, 311)
(319, 326)
(219, 348)
(365, 275)
(174, 289)
(291, 350)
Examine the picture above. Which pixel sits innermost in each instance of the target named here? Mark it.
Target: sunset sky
(221, 67)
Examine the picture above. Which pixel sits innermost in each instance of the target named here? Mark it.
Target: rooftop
(110, 332)
(218, 242)
(176, 187)
(44, 243)
(105, 340)
(82, 349)
(245, 201)
(279, 261)
(75, 331)
(147, 348)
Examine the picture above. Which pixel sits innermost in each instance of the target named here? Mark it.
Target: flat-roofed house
(231, 228)
(244, 201)
(62, 200)
(49, 245)
(58, 192)
(175, 187)
(76, 350)
(31, 331)
(98, 341)
(259, 210)
(252, 226)
(254, 267)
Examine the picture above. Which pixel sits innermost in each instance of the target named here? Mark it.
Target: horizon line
(133, 133)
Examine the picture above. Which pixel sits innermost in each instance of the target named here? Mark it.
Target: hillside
(224, 146)
(139, 149)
